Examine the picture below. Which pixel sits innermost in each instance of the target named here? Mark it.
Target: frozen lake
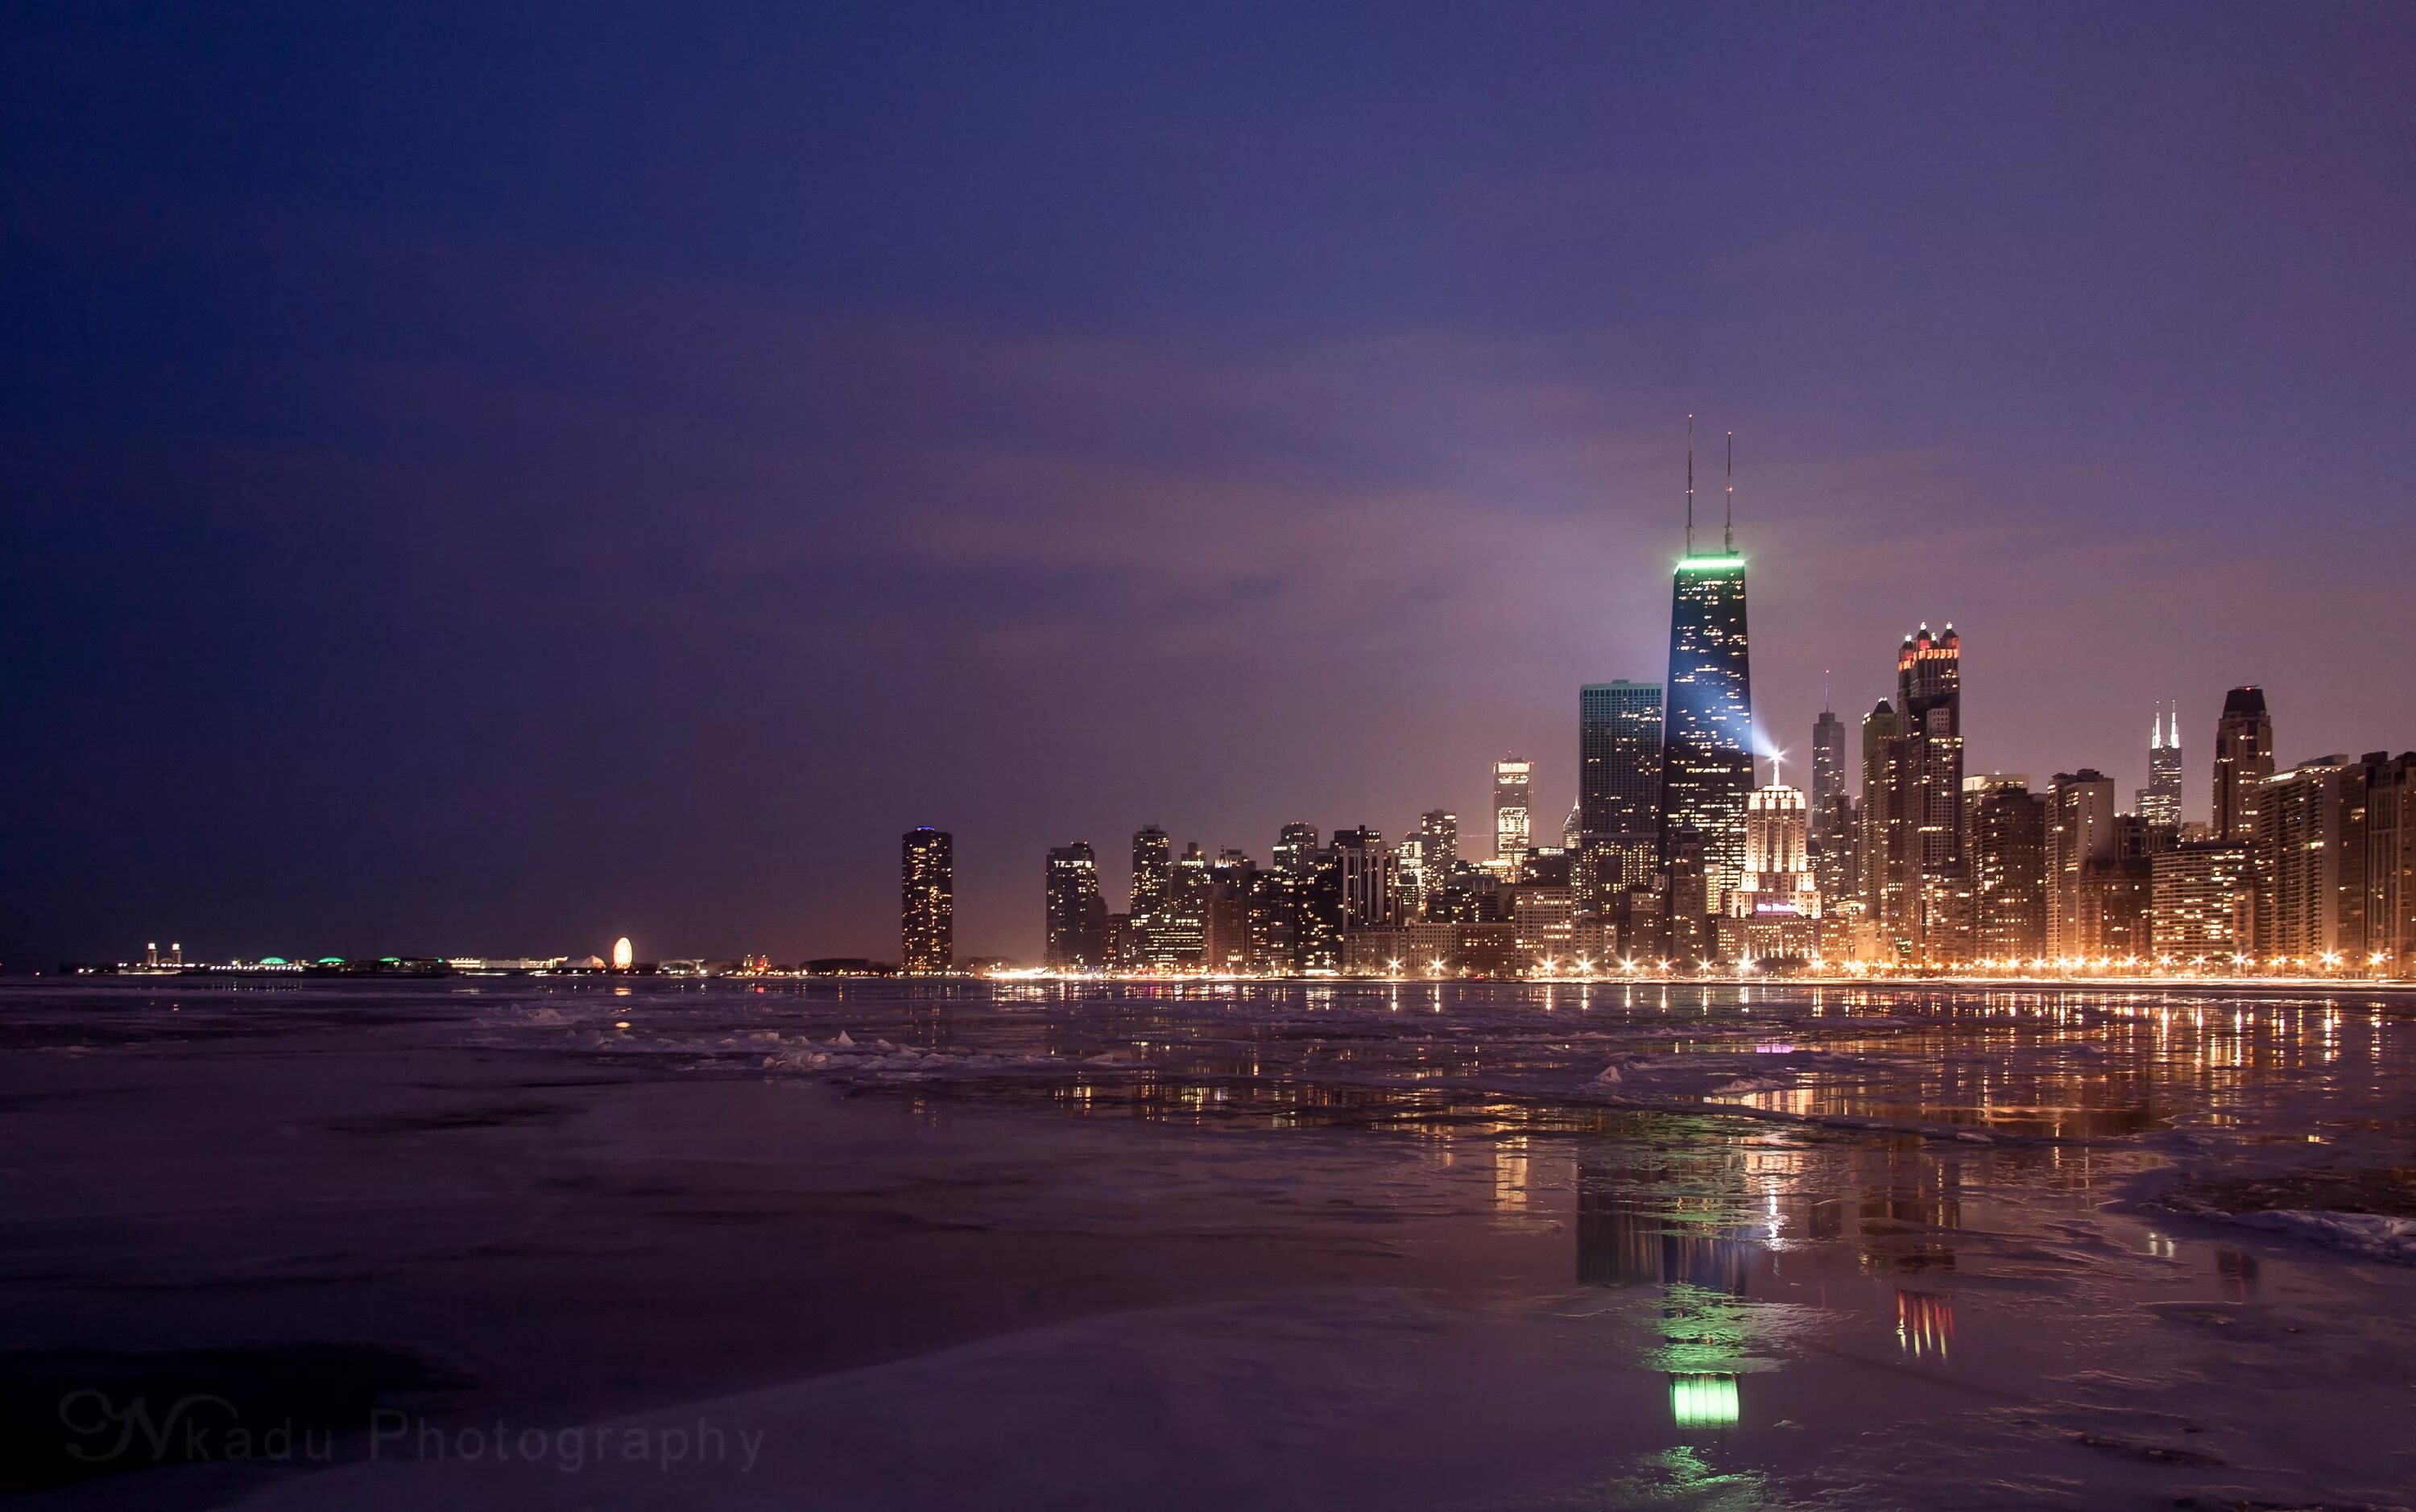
(570, 1243)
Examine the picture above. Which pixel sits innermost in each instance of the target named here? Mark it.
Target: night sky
(487, 479)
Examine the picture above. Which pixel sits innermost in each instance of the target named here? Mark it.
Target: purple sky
(487, 480)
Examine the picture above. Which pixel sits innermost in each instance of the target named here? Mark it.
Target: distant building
(2005, 850)
(2390, 862)
(2203, 906)
(1885, 895)
(1177, 939)
(2308, 850)
(1366, 876)
(1619, 790)
(1707, 743)
(1928, 772)
(1076, 916)
(1513, 808)
(2081, 846)
(2160, 801)
(1774, 908)
(926, 905)
(1232, 882)
(1152, 889)
(2244, 759)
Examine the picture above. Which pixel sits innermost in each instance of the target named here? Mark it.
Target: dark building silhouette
(1619, 790)
(1883, 849)
(2244, 759)
(2005, 849)
(927, 906)
(1076, 916)
(1928, 807)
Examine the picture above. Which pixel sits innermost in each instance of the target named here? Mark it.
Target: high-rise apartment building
(2311, 877)
(2160, 801)
(2081, 846)
(927, 905)
(1514, 779)
(2006, 853)
(2202, 904)
(1076, 916)
(2390, 857)
(1619, 790)
(2244, 759)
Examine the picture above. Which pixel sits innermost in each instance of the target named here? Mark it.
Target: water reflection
(1925, 1324)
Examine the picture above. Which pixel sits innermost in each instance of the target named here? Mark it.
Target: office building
(1774, 908)
(2005, 851)
(1513, 809)
(2244, 759)
(1619, 790)
(1364, 874)
(2160, 801)
(1707, 744)
(927, 901)
(1153, 882)
(1076, 916)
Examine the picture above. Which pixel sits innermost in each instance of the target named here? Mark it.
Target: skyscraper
(1882, 851)
(2244, 759)
(2390, 853)
(1619, 789)
(1152, 889)
(1707, 731)
(2081, 846)
(927, 901)
(2307, 818)
(1831, 816)
(2160, 801)
(1828, 761)
(2005, 850)
(1929, 778)
(1367, 877)
(1513, 807)
(1077, 915)
(1439, 837)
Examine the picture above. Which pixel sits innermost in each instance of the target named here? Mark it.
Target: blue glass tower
(1707, 738)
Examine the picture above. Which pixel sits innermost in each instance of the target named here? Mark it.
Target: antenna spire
(1690, 485)
(1728, 528)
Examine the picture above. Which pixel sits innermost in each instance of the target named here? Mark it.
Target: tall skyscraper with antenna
(2160, 801)
(1707, 738)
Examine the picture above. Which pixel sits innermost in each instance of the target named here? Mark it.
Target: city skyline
(633, 487)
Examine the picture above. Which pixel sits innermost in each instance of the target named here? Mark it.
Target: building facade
(1706, 737)
(2244, 759)
(927, 908)
(2005, 850)
(1619, 790)
(1077, 916)
(2160, 801)
(2081, 846)
(2202, 908)
(1514, 779)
